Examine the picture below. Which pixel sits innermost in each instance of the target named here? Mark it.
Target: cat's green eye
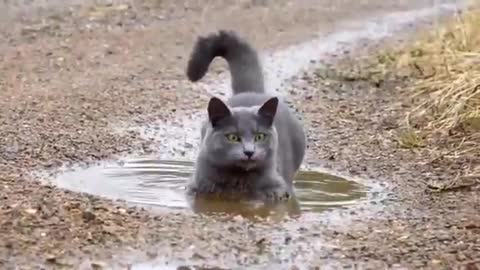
(232, 137)
(259, 137)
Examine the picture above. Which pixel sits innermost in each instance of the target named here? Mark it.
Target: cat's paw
(273, 194)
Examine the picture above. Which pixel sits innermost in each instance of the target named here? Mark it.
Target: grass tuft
(448, 77)
(410, 140)
(444, 67)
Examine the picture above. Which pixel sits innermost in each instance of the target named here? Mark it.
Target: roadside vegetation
(443, 70)
(437, 75)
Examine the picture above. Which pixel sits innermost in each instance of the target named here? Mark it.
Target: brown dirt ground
(355, 125)
(68, 73)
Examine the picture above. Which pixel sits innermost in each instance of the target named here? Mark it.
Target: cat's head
(241, 137)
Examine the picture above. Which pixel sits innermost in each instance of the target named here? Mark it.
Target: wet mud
(102, 81)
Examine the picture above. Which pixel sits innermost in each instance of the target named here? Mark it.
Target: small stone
(261, 242)
(88, 216)
(31, 211)
(98, 265)
(51, 259)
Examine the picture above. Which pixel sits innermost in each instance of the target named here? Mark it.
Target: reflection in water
(161, 183)
(319, 191)
(250, 210)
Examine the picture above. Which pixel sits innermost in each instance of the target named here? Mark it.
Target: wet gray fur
(224, 167)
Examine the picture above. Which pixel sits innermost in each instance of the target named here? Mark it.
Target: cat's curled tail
(245, 67)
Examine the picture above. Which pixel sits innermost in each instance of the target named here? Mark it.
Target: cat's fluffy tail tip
(206, 48)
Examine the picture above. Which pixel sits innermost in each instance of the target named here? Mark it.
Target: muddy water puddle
(160, 185)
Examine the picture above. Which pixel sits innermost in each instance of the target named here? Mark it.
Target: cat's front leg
(273, 192)
(201, 187)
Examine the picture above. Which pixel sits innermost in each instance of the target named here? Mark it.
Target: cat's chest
(234, 182)
(231, 188)
(229, 183)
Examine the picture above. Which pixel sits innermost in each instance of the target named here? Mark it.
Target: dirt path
(359, 120)
(68, 74)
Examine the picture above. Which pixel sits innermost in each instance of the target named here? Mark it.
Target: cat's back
(248, 99)
(284, 114)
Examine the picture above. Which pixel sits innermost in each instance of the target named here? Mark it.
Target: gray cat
(252, 146)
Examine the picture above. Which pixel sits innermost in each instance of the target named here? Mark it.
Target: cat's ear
(268, 110)
(217, 110)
